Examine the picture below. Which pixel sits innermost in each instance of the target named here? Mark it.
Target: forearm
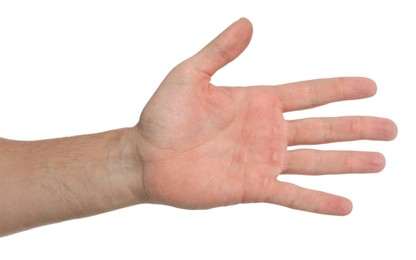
(50, 181)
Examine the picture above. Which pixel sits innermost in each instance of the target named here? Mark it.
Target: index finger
(313, 93)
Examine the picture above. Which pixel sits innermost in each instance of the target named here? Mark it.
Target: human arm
(196, 146)
(49, 181)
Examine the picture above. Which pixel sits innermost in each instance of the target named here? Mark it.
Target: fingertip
(365, 87)
(244, 32)
(227, 46)
(386, 129)
(246, 23)
(378, 162)
(372, 86)
(244, 19)
(369, 162)
(340, 207)
(346, 207)
(393, 131)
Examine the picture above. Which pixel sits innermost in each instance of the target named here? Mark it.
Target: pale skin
(196, 146)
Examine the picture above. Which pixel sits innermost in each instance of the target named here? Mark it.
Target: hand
(204, 146)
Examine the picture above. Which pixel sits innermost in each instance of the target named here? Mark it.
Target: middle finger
(338, 129)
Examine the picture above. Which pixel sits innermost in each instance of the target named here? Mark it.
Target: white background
(77, 67)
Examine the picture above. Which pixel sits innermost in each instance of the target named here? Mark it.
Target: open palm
(204, 146)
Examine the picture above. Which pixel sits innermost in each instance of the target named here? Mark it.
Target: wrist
(131, 164)
(104, 174)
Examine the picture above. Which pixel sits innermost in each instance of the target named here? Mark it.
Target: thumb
(224, 48)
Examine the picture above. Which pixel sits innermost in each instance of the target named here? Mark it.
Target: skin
(196, 146)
